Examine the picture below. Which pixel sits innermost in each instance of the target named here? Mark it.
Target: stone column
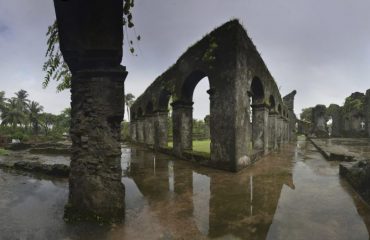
(207, 130)
(140, 130)
(260, 128)
(161, 129)
(149, 129)
(95, 187)
(286, 130)
(273, 130)
(280, 127)
(92, 49)
(133, 131)
(182, 117)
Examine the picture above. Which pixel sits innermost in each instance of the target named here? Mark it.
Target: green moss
(209, 55)
(4, 152)
(354, 104)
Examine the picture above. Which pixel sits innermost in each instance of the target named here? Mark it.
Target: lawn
(198, 145)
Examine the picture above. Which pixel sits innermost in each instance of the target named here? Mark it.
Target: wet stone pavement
(355, 147)
(291, 194)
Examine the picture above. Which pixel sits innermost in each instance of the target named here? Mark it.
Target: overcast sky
(321, 48)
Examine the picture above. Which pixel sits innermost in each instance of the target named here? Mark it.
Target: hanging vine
(56, 68)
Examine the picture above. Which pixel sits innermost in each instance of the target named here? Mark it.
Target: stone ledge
(333, 156)
(358, 176)
(56, 170)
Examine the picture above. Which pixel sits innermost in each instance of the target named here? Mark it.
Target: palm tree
(34, 111)
(22, 99)
(13, 114)
(2, 101)
(129, 100)
(47, 121)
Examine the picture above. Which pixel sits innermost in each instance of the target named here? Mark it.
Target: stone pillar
(92, 49)
(95, 187)
(367, 112)
(182, 118)
(207, 130)
(260, 128)
(161, 129)
(319, 121)
(280, 130)
(149, 129)
(273, 128)
(140, 130)
(286, 130)
(133, 131)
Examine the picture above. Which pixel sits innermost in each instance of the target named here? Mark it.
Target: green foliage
(198, 145)
(129, 100)
(125, 130)
(4, 152)
(209, 56)
(56, 68)
(25, 120)
(306, 114)
(354, 104)
(18, 134)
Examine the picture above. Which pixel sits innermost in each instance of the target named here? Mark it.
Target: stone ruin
(350, 120)
(241, 89)
(92, 48)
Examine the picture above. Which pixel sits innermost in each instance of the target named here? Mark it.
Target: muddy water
(293, 194)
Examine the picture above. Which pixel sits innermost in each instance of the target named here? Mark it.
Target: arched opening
(201, 116)
(149, 130)
(257, 91)
(149, 108)
(195, 95)
(329, 125)
(140, 126)
(133, 115)
(164, 120)
(256, 99)
(140, 112)
(272, 123)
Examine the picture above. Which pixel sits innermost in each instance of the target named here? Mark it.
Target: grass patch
(4, 152)
(198, 145)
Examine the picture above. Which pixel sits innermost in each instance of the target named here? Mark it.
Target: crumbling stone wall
(238, 79)
(335, 112)
(350, 120)
(319, 126)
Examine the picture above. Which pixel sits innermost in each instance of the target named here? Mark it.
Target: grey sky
(321, 48)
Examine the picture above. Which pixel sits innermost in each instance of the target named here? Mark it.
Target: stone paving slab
(343, 149)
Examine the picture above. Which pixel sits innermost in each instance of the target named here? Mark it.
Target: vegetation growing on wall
(306, 114)
(354, 103)
(56, 68)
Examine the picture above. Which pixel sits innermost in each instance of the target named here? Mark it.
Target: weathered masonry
(350, 120)
(248, 116)
(90, 34)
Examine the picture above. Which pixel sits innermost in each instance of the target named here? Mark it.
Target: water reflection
(212, 203)
(292, 194)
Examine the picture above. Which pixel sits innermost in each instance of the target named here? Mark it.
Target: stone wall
(237, 75)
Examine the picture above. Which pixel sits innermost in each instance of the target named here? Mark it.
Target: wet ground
(356, 147)
(292, 194)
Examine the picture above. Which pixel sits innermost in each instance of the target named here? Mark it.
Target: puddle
(292, 194)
